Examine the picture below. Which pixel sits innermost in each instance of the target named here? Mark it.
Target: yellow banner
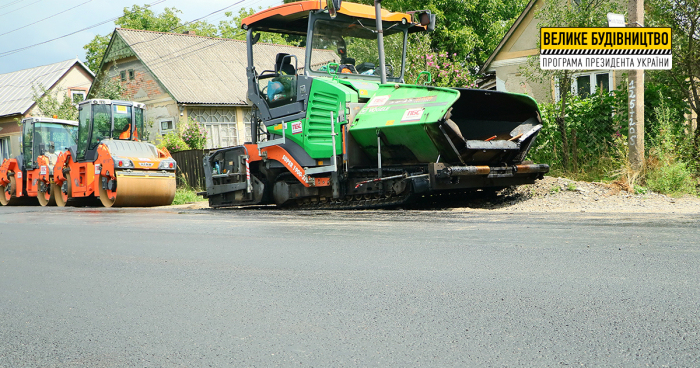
(613, 38)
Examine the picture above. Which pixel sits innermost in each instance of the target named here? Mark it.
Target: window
(131, 74)
(166, 125)
(122, 74)
(4, 148)
(586, 84)
(220, 123)
(77, 96)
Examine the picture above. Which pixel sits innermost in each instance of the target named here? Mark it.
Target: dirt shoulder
(564, 195)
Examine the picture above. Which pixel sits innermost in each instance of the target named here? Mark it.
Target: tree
(143, 18)
(683, 16)
(566, 13)
(47, 104)
(470, 29)
(232, 28)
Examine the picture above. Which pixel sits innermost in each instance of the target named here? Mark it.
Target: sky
(16, 14)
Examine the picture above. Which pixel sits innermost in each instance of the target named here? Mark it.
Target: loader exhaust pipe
(380, 39)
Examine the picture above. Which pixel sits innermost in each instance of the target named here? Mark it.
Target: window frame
(74, 92)
(164, 120)
(5, 148)
(574, 82)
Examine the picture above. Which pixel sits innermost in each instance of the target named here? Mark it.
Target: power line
(10, 52)
(31, 24)
(12, 11)
(12, 3)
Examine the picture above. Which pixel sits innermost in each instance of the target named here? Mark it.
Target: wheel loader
(28, 178)
(338, 126)
(109, 164)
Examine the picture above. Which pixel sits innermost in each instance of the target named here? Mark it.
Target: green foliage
(571, 187)
(173, 142)
(566, 13)
(667, 169)
(188, 135)
(185, 196)
(446, 70)
(683, 16)
(47, 104)
(94, 52)
(592, 126)
(108, 88)
(193, 134)
(471, 29)
(143, 18)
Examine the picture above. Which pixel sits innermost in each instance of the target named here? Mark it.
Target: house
(519, 44)
(180, 76)
(67, 79)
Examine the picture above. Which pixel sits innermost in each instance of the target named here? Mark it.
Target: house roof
(16, 93)
(196, 69)
(505, 39)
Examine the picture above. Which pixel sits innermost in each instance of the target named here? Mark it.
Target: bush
(194, 134)
(593, 126)
(667, 169)
(173, 142)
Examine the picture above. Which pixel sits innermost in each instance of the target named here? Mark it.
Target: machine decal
(412, 115)
(145, 164)
(376, 109)
(19, 175)
(378, 101)
(404, 101)
(296, 127)
(43, 170)
(293, 168)
(98, 167)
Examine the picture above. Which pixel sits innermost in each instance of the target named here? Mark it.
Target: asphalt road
(237, 288)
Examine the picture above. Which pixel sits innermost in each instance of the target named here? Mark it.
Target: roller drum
(10, 199)
(140, 191)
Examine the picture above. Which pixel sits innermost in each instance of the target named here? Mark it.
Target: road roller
(339, 127)
(28, 178)
(110, 164)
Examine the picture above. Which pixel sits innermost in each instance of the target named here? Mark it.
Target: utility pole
(635, 88)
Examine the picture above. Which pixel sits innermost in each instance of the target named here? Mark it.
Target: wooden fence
(190, 170)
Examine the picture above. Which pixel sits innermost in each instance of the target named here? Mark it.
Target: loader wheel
(7, 194)
(47, 198)
(60, 197)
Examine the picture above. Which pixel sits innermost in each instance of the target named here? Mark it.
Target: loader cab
(46, 137)
(340, 47)
(100, 119)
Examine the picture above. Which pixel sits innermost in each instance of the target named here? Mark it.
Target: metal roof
(202, 70)
(16, 87)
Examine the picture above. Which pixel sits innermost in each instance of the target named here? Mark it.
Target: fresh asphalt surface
(238, 288)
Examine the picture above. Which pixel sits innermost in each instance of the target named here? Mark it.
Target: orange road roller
(28, 178)
(110, 163)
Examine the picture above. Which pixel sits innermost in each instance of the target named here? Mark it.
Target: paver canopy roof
(293, 17)
(200, 70)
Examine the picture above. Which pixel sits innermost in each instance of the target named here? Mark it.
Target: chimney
(191, 33)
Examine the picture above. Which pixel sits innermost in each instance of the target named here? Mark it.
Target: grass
(186, 195)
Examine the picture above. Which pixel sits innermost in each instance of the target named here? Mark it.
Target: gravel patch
(564, 195)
